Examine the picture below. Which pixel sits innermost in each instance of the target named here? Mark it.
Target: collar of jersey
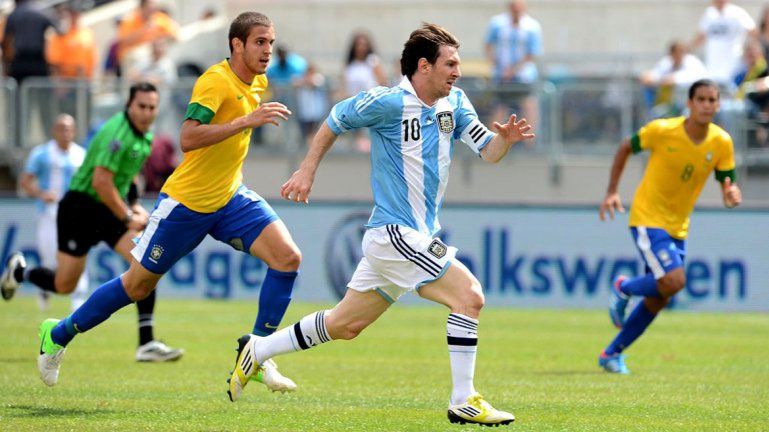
(405, 84)
(252, 87)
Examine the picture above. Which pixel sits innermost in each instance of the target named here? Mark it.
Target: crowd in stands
(53, 43)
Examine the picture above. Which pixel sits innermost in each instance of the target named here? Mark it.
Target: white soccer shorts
(398, 259)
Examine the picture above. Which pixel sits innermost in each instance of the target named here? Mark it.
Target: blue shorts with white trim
(660, 252)
(174, 230)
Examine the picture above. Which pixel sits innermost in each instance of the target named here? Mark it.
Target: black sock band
(146, 309)
(43, 277)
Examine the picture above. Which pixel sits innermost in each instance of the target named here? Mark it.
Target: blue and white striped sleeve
(469, 129)
(34, 164)
(363, 110)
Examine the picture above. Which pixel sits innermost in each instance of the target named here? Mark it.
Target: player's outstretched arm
(507, 134)
(299, 185)
(612, 201)
(104, 184)
(197, 135)
(731, 193)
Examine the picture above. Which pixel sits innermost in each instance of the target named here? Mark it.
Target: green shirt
(120, 148)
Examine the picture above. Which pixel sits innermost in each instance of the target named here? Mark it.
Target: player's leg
(664, 256)
(461, 292)
(46, 248)
(149, 349)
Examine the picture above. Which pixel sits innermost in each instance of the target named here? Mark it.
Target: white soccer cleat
(269, 376)
(8, 282)
(476, 410)
(157, 351)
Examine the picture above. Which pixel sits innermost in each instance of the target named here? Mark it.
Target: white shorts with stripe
(398, 259)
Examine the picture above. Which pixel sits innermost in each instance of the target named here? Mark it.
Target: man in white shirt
(724, 28)
(667, 83)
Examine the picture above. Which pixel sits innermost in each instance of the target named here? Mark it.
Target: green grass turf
(692, 371)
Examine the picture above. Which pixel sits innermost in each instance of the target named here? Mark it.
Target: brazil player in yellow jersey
(205, 196)
(684, 151)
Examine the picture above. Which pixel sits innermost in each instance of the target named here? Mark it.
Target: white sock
(462, 337)
(307, 333)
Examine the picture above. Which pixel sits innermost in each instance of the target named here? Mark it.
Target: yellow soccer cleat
(247, 368)
(477, 411)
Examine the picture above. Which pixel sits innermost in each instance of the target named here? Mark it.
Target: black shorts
(82, 222)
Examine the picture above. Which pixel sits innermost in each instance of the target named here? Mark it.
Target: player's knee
(65, 287)
(670, 284)
(474, 300)
(656, 304)
(138, 288)
(288, 260)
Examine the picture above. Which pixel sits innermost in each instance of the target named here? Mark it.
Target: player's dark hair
(144, 87)
(425, 42)
(703, 83)
(355, 37)
(241, 26)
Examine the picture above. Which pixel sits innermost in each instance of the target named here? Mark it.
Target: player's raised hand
(268, 112)
(732, 193)
(514, 130)
(610, 204)
(298, 187)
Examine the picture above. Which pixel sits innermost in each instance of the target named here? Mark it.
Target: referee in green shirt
(102, 205)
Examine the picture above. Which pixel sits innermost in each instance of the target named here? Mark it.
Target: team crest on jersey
(437, 249)
(446, 121)
(709, 157)
(156, 253)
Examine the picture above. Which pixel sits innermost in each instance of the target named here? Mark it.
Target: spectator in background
(763, 30)
(513, 43)
(288, 67)
(312, 101)
(753, 89)
(363, 70)
(111, 60)
(24, 41)
(723, 29)
(71, 56)
(143, 26)
(669, 79)
(160, 164)
(46, 177)
(158, 69)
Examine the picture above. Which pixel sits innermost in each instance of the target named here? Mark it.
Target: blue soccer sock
(106, 300)
(273, 301)
(644, 286)
(634, 327)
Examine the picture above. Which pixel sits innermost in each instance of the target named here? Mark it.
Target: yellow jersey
(676, 173)
(208, 177)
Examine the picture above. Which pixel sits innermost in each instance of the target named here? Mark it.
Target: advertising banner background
(523, 256)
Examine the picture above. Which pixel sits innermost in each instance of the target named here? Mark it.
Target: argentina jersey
(53, 168)
(411, 147)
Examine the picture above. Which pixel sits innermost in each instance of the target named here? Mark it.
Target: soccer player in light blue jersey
(413, 126)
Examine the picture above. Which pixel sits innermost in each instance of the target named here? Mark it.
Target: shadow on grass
(45, 411)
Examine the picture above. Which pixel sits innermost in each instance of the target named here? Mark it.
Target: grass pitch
(691, 371)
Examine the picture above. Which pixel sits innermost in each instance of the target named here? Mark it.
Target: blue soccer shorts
(174, 230)
(661, 252)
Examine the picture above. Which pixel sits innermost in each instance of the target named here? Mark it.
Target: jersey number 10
(411, 129)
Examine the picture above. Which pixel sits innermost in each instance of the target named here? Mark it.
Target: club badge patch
(114, 146)
(437, 249)
(156, 253)
(446, 121)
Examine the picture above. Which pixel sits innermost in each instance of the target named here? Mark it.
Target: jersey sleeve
(492, 33)
(644, 139)
(34, 163)
(206, 99)
(109, 149)
(725, 164)
(367, 109)
(469, 129)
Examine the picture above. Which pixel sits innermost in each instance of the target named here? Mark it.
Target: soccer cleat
(9, 282)
(51, 354)
(268, 375)
(43, 300)
(614, 363)
(477, 411)
(157, 351)
(618, 304)
(245, 366)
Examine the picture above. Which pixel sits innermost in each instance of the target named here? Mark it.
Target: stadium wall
(526, 256)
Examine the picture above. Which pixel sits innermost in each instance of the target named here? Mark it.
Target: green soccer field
(692, 371)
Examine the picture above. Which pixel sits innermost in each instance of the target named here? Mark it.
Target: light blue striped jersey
(53, 168)
(411, 146)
